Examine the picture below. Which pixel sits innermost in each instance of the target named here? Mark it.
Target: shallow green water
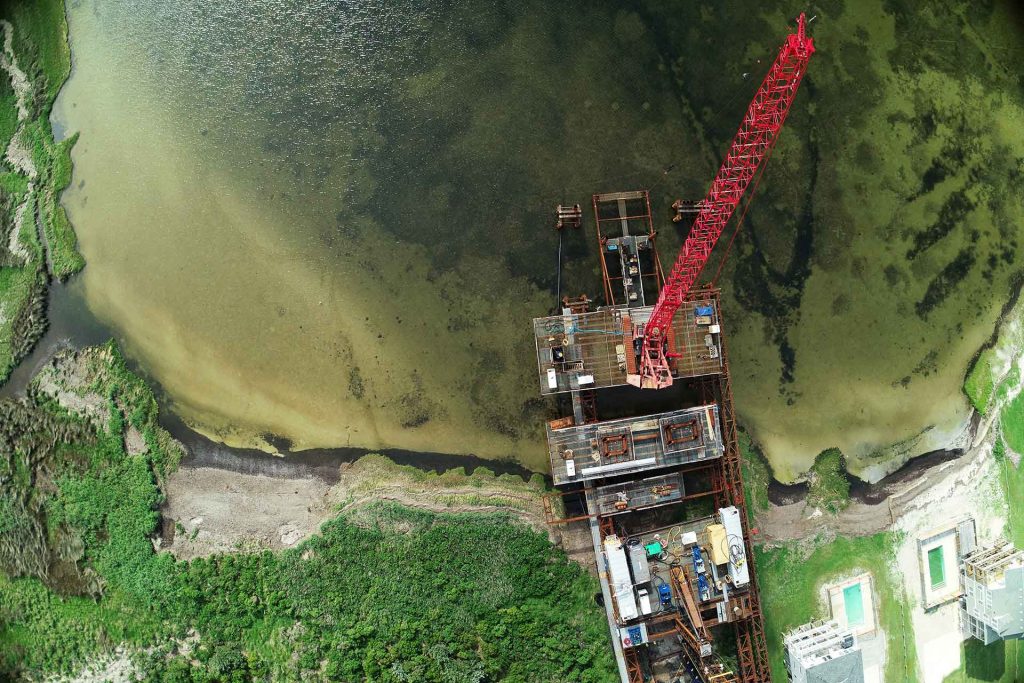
(331, 222)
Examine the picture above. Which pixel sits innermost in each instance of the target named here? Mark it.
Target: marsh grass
(41, 49)
(828, 483)
(756, 476)
(979, 384)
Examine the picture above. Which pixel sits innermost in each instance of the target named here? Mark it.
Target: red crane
(750, 148)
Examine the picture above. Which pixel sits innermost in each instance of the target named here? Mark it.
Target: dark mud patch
(786, 494)
(322, 463)
(860, 490)
(873, 494)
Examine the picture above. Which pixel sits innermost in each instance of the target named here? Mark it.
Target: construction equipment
(694, 632)
(750, 148)
(568, 216)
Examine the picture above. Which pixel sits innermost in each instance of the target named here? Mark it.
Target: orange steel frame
(727, 488)
(690, 468)
(751, 646)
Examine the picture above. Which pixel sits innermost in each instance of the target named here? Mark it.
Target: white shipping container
(739, 570)
(618, 577)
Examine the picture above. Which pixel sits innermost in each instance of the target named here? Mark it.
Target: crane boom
(751, 146)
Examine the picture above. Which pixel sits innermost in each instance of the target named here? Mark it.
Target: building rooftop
(594, 350)
(988, 566)
(630, 445)
(823, 652)
(992, 607)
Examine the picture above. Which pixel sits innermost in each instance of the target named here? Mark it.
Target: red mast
(750, 147)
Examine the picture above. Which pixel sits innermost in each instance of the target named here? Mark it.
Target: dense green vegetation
(23, 282)
(979, 382)
(40, 43)
(53, 166)
(756, 476)
(828, 484)
(790, 579)
(41, 51)
(8, 111)
(400, 595)
(449, 597)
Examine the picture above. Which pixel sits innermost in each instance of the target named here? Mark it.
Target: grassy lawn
(790, 584)
(1002, 662)
(1012, 422)
(1012, 479)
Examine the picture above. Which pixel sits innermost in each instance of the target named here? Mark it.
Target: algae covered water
(330, 223)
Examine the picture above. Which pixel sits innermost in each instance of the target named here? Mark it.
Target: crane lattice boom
(750, 148)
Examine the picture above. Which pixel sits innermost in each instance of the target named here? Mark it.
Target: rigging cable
(558, 290)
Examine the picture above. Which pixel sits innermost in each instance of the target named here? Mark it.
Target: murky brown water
(330, 222)
(229, 277)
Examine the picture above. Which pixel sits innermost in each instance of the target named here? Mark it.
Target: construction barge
(662, 494)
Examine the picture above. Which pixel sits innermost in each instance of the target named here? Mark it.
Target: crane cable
(558, 291)
(746, 207)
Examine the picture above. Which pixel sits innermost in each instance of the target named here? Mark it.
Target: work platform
(629, 257)
(594, 350)
(717, 596)
(639, 494)
(626, 446)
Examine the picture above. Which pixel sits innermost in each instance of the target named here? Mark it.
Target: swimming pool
(854, 603)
